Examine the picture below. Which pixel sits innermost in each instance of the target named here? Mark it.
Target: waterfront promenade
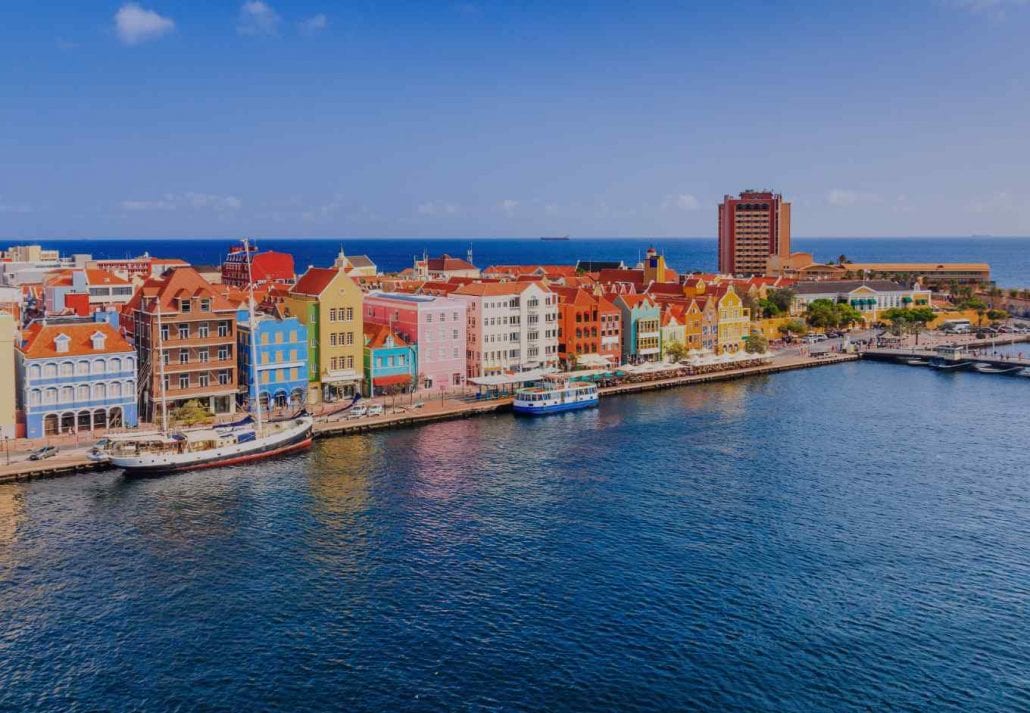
(72, 460)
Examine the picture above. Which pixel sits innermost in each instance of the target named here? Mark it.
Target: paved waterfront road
(851, 538)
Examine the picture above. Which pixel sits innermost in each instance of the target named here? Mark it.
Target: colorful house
(75, 376)
(589, 327)
(674, 328)
(280, 377)
(8, 399)
(184, 330)
(265, 267)
(435, 324)
(734, 320)
(692, 326)
(83, 291)
(329, 303)
(641, 328)
(390, 362)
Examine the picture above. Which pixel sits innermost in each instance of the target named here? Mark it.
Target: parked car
(44, 452)
(815, 338)
(359, 411)
(375, 410)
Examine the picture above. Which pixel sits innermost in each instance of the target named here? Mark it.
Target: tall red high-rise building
(751, 228)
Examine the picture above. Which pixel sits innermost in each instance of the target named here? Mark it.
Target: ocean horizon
(1009, 257)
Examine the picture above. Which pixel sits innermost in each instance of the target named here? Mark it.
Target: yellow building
(7, 399)
(330, 303)
(734, 321)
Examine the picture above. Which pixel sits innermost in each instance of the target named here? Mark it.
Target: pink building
(436, 325)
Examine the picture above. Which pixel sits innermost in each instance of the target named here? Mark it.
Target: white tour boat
(554, 394)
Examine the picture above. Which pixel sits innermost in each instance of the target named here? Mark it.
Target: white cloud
(190, 200)
(136, 25)
(841, 197)
(437, 208)
(313, 25)
(508, 206)
(14, 207)
(1002, 201)
(681, 201)
(992, 8)
(257, 18)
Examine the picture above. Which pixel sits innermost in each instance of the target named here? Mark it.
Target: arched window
(99, 392)
(35, 371)
(67, 368)
(67, 394)
(130, 364)
(83, 393)
(115, 366)
(50, 370)
(116, 389)
(82, 368)
(35, 397)
(99, 366)
(51, 395)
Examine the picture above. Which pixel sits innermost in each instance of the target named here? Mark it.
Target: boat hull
(554, 408)
(292, 442)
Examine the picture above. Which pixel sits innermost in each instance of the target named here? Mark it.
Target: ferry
(555, 394)
(170, 451)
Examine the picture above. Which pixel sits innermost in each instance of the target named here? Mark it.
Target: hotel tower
(751, 228)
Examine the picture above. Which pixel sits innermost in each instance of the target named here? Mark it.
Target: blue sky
(173, 118)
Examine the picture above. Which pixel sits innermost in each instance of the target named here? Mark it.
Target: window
(223, 329)
(205, 305)
(185, 306)
(203, 355)
(51, 396)
(164, 357)
(35, 397)
(223, 353)
(184, 331)
(348, 314)
(67, 394)
(164, 332)
(184, 356)
(184, 381)
(332, 339)
(115, 365)
(204, 380)
(429, 318)
(67, 369)
(332, 314)
(116, 390)
(204, 330)
(100, 392)
(50, 370)
(224, 377)
(348, 338)
(165, 384)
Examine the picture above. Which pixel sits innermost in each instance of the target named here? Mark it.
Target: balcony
(197, 365)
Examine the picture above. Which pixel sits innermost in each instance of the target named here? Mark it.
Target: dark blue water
(850, 538)
(1009, 257)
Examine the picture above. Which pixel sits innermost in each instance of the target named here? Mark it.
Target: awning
(391, 380)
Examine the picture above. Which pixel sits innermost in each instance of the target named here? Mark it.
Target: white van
(956, 326)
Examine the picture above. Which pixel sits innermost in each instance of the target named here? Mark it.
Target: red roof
(314, 281)
(177, 283)
(377, 334)
(271, 266)
(446, 263)
(38, 340)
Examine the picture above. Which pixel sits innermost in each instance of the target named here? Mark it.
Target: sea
(1009, 258)
(854, 537)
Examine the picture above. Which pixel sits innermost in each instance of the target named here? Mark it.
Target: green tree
(676, 351)
(768, 309)
(756, 343)
(908, 320)
(828, 314)
(997, 315)
(793, 327)
(783, 298)
(190, 413)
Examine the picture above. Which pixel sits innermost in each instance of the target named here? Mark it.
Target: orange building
(587, 324)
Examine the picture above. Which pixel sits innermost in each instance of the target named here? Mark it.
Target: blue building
(281, 376)
(391, 364)
(641, 328)
(75, 376)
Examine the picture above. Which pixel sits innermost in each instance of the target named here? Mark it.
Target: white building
(870, 297)
(512, 326)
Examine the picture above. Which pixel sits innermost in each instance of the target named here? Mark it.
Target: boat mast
(161, 367)
(254, 381)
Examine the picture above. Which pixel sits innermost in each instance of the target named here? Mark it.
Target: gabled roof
(491, 289)
(447, 263)
(38, 340)
(313, 282)
(377, 334)
(177, 283)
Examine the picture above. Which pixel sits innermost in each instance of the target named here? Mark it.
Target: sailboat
(244, 441)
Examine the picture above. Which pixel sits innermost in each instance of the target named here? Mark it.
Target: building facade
(265, 267)
(436, 325)
(329, 303)
(8, 379)
(280, 376)
(512, 326)
(390, 362)
(588, 324)
(641, 328)
(75, 377)
(734, 321)
(752, 227)
(869, 297)
(184, 330)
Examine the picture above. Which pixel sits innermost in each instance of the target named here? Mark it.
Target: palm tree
(841, 259)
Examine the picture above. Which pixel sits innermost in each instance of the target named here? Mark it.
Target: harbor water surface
(848, 538)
